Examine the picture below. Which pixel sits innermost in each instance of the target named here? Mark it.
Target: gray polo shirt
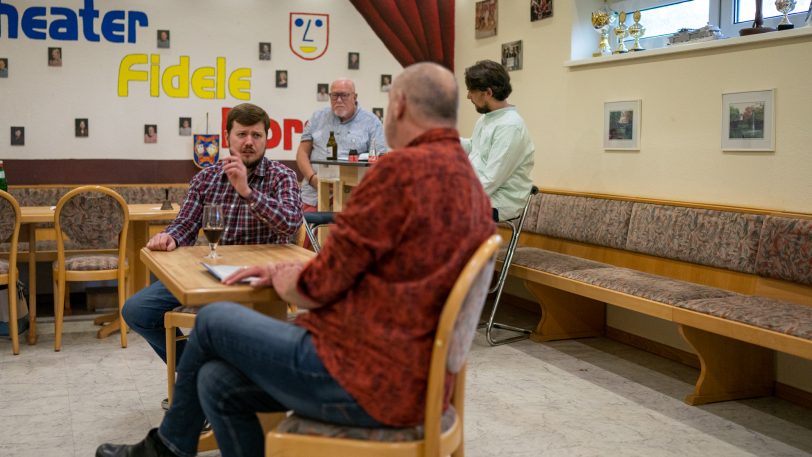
(356, 132)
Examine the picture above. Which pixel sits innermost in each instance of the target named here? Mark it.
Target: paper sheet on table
(222, 272)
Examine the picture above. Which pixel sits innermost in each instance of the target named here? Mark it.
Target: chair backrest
(455, 331)
(10, 227)
(93, 217)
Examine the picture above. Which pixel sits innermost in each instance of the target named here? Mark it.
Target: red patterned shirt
(271, 214)
(387, 268)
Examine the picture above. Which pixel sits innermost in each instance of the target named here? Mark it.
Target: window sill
(678, 50)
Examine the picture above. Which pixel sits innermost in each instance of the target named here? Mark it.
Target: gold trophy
(785, 7)
(621, 33)
(602, 21)
(636, 31)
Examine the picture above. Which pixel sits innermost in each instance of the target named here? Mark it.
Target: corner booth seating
(736, 281)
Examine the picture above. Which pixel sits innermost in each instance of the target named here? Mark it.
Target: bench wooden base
(565, 315)
(730, 369)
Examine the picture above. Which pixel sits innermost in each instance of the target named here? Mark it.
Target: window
(745, 10)
(662, 18)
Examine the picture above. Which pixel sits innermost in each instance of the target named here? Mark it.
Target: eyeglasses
(341, 95)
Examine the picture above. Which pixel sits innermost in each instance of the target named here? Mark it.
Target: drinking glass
(213, 227)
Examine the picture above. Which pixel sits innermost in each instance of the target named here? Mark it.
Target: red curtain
(413, 30)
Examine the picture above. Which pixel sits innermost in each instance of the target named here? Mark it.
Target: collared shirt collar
(432, 135)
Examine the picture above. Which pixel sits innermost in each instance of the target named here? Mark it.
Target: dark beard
(482, 109)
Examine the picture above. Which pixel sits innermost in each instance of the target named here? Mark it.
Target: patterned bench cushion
(721, 239)
(762, 312)
(785, 250)
(304, 426)
(645, 285)
(597, 221)
(552, 262)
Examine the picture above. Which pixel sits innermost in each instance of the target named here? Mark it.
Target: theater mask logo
(309, 34)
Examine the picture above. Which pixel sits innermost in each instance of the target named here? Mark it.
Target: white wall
(46, 100)
(680, 156)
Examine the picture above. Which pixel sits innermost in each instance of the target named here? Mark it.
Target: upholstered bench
(737, 281)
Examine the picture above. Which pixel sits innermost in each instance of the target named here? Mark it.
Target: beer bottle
(332, 147)
(3, 183)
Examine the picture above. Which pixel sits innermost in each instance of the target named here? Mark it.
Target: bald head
(422, 98)
(432, 92)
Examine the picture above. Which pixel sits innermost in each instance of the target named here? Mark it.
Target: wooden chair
(94, 218)
(10, 231)
(441, 433)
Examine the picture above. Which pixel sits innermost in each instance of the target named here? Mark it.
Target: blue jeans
(144, 313)
(239, 362)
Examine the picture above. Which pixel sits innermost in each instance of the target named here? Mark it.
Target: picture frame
(512, 55)
(353, 60)
(264, 50)
(622, 125)
(540, 9)
(486, 18)
(748, 121)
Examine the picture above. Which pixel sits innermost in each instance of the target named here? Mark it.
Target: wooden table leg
(137, 239)
(32, 283)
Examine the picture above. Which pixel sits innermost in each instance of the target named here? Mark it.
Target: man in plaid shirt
(261, 205)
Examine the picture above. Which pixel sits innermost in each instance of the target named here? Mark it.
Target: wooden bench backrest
(746, 250)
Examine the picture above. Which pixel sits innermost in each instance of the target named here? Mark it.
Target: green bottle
(332, 147)
(3, 183)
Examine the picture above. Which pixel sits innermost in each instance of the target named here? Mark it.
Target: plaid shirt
(271, 214)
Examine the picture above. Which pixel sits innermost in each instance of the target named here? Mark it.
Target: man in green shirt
(500, 148)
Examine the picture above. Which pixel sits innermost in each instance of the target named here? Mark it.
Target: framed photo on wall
(748, 121)
(621, 125)
(485, 20)
(512, 55)
(540, 9)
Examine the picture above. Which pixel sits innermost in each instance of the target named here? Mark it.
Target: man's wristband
(311, 178)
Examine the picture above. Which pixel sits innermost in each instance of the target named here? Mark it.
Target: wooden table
(141, 215)
(334, 175)
(181, 272)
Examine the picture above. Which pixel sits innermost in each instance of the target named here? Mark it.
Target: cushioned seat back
(8, 218)
(723, 239)
(599, 221)
(785, 249)
(92, 220)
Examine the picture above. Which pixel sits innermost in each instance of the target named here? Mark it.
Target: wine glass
(213, 227)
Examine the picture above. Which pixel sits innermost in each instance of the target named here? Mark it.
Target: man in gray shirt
(353, 127)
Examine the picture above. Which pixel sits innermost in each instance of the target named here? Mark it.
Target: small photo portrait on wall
(386, 83)
(353, 60)
(321, 92)
(265, 51)
(281, 78)
(150, 133)
(18, 136)
(163, 39)
(185, 126)
(378, 112)
(512, 55)
(54, 57)
(3, 67)
(81, 127)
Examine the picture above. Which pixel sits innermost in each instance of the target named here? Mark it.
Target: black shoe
(165, 404)
(151, 446)
(206, 427)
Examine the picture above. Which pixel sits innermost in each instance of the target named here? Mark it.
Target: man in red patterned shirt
(375, 292)
(261, 204)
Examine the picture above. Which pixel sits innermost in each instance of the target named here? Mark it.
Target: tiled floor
(590, 397)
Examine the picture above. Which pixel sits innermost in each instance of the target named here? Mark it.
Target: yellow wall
(680, 156)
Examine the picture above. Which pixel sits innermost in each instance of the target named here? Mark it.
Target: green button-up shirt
(501, 153)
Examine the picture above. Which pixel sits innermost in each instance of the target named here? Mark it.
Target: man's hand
(284, 277)
(237, 175)
(263, 273)
(161, 242)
